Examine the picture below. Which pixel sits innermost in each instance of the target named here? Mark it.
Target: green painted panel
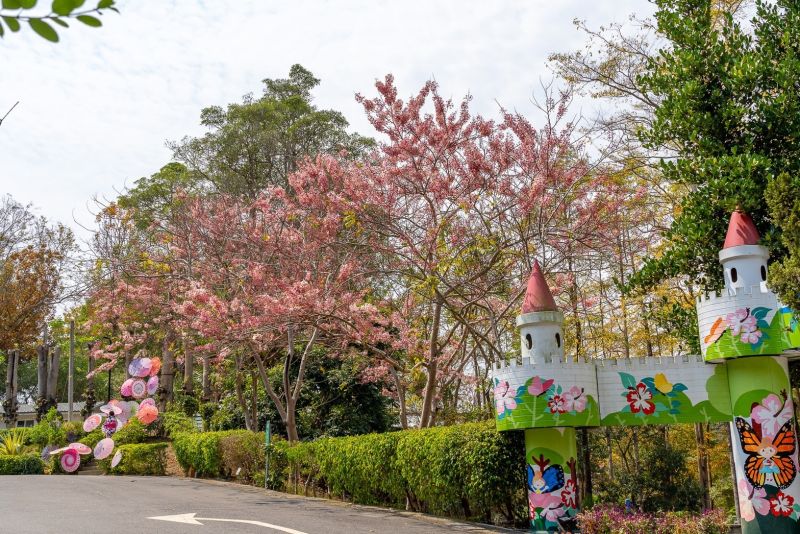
(746, 333)
(791, 328)
(542, 403)
(551, 477)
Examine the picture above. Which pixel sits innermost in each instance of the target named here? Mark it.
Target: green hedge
(22, 464)
(467, 470)
(201, 453)
(173, 423)
(138, 459)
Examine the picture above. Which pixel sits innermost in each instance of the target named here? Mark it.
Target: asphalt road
(121, 505)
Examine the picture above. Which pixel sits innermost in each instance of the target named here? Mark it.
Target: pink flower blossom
(751, 337)
(735, 320)
(574, 399)
(752, 501)
(543, 500)
(771, 414)
(504, 397)
(539, 386)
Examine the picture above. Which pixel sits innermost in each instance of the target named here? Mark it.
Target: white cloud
(97, 108)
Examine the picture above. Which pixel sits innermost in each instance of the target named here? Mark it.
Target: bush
(92, 438)
(138, 459)
(174, 422)
(133, 432)
(23, 464)
(200, 453)
(604, 519)
(467, 470)
(245, 451)
(48, 431)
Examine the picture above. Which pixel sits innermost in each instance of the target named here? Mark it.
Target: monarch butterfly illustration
(768, 457)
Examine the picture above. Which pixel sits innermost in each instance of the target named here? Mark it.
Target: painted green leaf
(627, 380)
(12, 23)
(60, 22)
(62, 7)
(11, 4)
(104, 4)
(679, 387)
(44, 30)
(760, 312)
(89, 20)
(2, 31)
(27, 4)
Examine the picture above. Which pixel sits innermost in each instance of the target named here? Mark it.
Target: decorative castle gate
(742, 378)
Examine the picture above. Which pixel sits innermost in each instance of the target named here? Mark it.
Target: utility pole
(71, 369)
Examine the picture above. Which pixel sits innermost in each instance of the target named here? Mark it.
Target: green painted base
(552, 478)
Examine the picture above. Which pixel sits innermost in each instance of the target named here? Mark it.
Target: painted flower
(568, 494)
(552, 513)
(735, 319)
(539, 386)
(772, 414)
(557, 404)
(751, 337)
(543, 500)
(781, 504)
(639, 399)
(503, 397)
(752, 501)
(574, 399)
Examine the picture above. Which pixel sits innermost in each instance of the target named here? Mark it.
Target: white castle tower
(541, 324)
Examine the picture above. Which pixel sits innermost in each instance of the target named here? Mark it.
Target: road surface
(120, 505)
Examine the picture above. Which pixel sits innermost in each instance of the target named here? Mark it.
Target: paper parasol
(147, 402)
(92, 422)
(155, 366)
(140, 367)
(103, 448)
(152, 385)
(70, 461)
(80, 448)
(110, 408)
(116, 459)
(139, 388)
(147, 414)
(125, 388)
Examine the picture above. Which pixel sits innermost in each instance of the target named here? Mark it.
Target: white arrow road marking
(190, 519)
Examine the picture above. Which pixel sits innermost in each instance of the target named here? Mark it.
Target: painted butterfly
(551, 479)
(768, 456)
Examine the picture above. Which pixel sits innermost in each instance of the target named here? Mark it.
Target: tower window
(764, 273)
(558, 340)
(734, 275)
(528, 341)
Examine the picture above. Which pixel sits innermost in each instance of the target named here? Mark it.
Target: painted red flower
(781, 504)
(557, 404)
(568, 494)
(639, 399)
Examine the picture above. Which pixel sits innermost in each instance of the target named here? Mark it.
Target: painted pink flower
(781, 504)
(751, 337)
(771, 414)
(568, 494)
(543, 500)
(574, 399)
(552, 513)
(752, 502)
(503, 397)
(539, 386)
(735, 320)
(639, 399)
(557, 404)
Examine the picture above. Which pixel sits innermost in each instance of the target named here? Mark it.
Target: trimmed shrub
(48, 431)
(200, 453)
(133, 432)
(138, 459)
(175, 422)
(22, 464)
(467, 470)
(92, 438)
(243, 451)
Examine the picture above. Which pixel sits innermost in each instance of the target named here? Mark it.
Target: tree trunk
(167, 373)
(610, 454)
(239, 386)
(41, 372)
(702, 463)
(586, 460)
(401, 398)
(88, 399)
(10, 402)
(52, 375)
(188, 368)
(206, 378)
(426, 418)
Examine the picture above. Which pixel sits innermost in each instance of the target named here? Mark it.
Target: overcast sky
(97, 108)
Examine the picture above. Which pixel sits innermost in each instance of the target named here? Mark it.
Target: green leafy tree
(258, 143)
(13, 13)
(728, 109)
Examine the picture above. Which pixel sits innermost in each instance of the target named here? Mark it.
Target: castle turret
(742, 258)
(541, 324)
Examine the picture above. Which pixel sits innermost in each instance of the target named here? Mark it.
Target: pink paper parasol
(70, 461)
(147, 414)
(125, 389)
(110, 408)
(80, 448)
(155, 366)
(140, 367)
(146, 402)
(103, 448)
(152, 385)
(139, 388)
(58, 451)
(92, 422)
(116, 459)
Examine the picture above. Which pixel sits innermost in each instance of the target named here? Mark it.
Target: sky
(97, 108)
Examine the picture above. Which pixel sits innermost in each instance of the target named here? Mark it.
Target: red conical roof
(741, 231)
(537, 296)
